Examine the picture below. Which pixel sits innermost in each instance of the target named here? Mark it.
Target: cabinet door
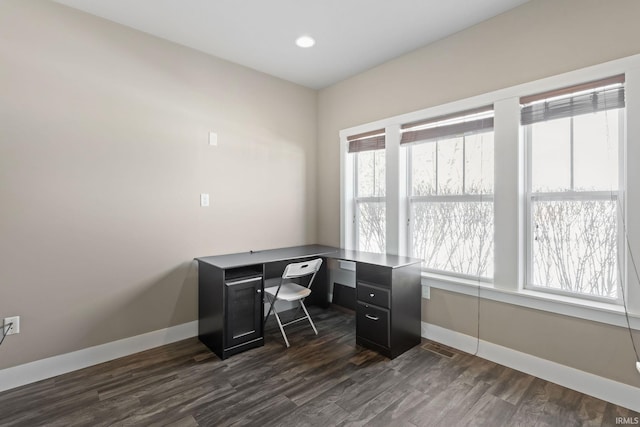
(372, 323)
(243, 311)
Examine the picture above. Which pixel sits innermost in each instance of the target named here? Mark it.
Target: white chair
(288, 290)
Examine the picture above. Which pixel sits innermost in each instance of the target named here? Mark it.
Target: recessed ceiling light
(305, 41)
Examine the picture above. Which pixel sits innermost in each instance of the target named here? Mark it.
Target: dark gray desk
(388, 310)
(383, 260)
(272, 255)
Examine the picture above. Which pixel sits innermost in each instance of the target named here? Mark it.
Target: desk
(231, 310)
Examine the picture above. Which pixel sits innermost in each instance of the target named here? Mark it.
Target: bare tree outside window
(575, 246)
(370, 201)
(452, 204)
(371, 227)
(573, 204)
(454, 237)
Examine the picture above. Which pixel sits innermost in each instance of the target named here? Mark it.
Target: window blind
(591, 97)
(448, 126)
(368, 141)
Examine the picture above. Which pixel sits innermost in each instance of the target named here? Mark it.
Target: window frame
(572, 195)
(358, 200)
(437, 198)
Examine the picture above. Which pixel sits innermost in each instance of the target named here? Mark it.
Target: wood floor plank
(591, 411)
(489, 411)
(360, 393)
(511, 385)
(432, 374)
(114, 410)
(449, 406)
(400, 412)
(531, 410)
(187, 421)
(131, 386)
(321, 380)
(51, 408)
(542, 404)
(364, 413)
(319, 412)
(264, 413)
(310, 386)
(480, 370)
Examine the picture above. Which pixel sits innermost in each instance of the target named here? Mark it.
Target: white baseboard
(53, 366)
(584, 382)
(603, 388)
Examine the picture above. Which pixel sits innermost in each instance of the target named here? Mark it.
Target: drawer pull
(375, 318)
(372, 295)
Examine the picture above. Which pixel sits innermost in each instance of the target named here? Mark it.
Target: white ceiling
(351, 35)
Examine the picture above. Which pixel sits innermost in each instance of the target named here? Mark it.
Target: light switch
(213, 138)
(204, 200)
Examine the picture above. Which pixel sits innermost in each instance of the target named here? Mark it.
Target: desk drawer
(372, 323)
(373, 295)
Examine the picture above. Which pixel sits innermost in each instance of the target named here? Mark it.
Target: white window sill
(612, 314)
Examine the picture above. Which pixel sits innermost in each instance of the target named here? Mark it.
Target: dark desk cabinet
(243, 310)
(230, 291)
(388, 309)
(230, 308)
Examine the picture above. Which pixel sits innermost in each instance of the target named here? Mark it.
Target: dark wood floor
(320, 381)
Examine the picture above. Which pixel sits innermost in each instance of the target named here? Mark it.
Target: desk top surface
(385, 260)
(283, 254)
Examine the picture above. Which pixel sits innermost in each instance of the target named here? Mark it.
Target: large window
(368, 151)
(450, 164)
(532, 195)
(573, 141)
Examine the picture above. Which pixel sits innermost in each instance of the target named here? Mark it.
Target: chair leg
(309, 317)
(286, 341)
(272, 307)
(266, 318)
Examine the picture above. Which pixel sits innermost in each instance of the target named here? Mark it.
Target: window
(368, 151)
(450, 165)
(533, 195)
(573, 141)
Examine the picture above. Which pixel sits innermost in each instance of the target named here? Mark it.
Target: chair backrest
(301, 269)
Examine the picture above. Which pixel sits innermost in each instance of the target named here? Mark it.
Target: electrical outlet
(12, 325)
(426, 292)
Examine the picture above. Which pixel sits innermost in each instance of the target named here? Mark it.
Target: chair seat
(289, 291)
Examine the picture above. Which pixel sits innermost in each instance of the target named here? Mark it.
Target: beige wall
(103, 155)
(539, 39)
(593, 347)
